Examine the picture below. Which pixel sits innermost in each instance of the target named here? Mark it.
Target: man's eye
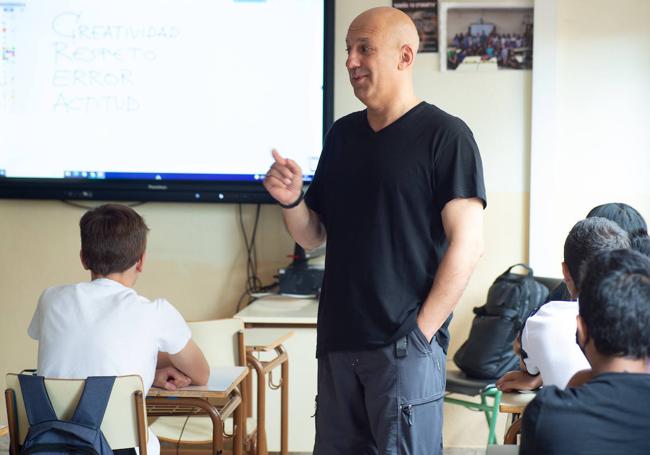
(365, 49)
(347, 49)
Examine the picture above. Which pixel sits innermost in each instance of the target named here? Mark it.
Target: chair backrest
(550, 283)
(122, 419)
(221, 340)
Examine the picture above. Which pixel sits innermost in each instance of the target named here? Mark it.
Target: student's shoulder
(55, 293)
(552, 398)
(161, 305)
(551, 310)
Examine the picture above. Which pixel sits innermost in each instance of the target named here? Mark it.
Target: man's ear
(570, 284)
(407, 55)
(139, 266)
(83, 263)
(582, 331)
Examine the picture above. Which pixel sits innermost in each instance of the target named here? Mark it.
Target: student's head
(586, 238)
(615, 304)
(622, 214)
(381, 44)
(113, 239)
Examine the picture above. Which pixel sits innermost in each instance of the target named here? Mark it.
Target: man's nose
(352, 60)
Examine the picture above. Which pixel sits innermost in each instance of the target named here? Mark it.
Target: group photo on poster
(489, 39)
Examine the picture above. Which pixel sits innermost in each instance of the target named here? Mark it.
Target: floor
(4, 448)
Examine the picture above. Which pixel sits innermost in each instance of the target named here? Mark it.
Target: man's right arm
(284, 182)
(304, 226)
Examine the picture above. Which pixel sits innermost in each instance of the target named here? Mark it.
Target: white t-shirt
(102, 328)
(549, 341)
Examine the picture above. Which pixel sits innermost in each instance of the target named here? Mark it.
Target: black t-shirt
(608, 415)
(380, 196)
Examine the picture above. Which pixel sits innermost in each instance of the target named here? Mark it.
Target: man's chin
(361, 93)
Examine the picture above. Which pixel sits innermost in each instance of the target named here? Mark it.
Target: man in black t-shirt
(398, 195)
(609, 414)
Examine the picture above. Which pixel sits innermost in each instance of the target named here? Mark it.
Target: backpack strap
(37, 403)
(92, 404)
(530, 271)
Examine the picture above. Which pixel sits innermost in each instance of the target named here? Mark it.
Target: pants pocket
(421, 426)
(421, 391)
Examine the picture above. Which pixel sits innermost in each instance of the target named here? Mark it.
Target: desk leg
(249, 394)
(261, 413)
(238, 437)
(284, 410)
(513, 428)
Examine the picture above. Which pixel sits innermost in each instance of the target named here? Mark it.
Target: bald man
(398, 195)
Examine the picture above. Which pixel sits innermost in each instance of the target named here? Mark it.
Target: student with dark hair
(610, 414)
(548, 350)
(627, 217)
(103, 327)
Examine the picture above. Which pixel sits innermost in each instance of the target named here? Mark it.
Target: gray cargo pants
(385, 401)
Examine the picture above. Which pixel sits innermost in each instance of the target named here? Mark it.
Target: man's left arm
(462, 220)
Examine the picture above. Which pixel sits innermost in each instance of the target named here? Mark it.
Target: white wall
(591, 113)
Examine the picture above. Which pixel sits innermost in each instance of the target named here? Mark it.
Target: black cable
(180, 437)
(90, 207)
(253, 283)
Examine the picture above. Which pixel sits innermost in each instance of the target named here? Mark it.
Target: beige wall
(195, 253)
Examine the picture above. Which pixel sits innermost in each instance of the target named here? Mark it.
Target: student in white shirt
(549, 351)
(103, 327)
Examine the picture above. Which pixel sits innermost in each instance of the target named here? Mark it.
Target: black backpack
(47, 435)
(487, 353)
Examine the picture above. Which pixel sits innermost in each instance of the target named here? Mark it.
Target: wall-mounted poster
(486, 39)
(425, 16)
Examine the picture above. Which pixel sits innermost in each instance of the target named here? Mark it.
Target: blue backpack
(81, 434)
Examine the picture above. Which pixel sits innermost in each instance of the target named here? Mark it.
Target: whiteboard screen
(192, 90)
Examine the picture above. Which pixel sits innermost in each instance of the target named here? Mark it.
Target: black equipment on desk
(300, 278)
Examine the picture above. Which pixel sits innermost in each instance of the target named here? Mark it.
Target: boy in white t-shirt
(549, 350)
(103, 327)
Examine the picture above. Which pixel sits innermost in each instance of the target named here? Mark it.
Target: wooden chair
(222, 343)
(125, 420)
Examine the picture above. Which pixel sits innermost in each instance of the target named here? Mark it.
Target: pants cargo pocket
(422, 387)
(420, 427)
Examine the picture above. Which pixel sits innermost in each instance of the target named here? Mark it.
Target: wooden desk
(299, 317)
(514, 403)
(222, 387)
(268, 340)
